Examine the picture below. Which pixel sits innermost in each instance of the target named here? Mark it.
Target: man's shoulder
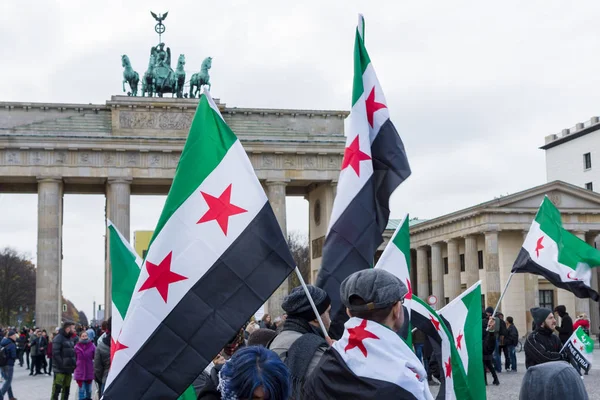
(284, 340)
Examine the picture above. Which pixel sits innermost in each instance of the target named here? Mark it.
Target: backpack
(3, 357)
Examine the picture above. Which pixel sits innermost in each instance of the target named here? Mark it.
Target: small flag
(462, 316)
(373, 166)
(216, 256)
(396, 260)
(452, 373)
(556, 254)
(579, 348)
(370, 361)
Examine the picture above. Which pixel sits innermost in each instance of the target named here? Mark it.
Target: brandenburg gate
(131, 145)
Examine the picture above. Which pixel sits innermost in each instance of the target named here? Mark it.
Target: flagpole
(503, 292)
(312, 303)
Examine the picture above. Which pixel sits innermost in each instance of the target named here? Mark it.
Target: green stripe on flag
(473, 340)
(208, 141)
(571, 249)
(189, 394)
(125, 271)
(402, 241)
(361, 62)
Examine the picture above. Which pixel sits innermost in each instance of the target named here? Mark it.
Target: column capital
(579, 232)
(451, 240)
(471, 236)
(120, 179)
(422, 247)
(48, 179)
(277, 182)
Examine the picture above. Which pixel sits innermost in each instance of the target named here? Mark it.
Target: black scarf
(302, 351)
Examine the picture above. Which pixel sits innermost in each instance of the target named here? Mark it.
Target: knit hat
(552, 380)
(261, 337)
(296, 303)
(377, 287)
(489, 310)
(540, 314)
(11, 333)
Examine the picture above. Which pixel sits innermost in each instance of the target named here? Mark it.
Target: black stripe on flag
(353, 240)
(209, 315)
(525, 263)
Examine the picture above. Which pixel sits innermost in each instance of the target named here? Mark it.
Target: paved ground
(39, 387)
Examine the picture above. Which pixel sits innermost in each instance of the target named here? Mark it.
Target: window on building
(462, 263)
(483, 302)
(587, 161)
(547, 299)
(589, 186)
(480, 259)
(445, 265)
(144, 252)
(446, 300)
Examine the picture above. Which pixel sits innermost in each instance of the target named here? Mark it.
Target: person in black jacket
(489, 345)
(542, 345)
(63, 361)
(511, 340)
(566, 325)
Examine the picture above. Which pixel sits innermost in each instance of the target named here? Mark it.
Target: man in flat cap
(542, 345)
(370, 361)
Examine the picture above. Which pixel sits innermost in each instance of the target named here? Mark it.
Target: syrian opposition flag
(216, 256)
(558, 255)
(125, 264)
(396, 260)
(373, 352)
(579, 349)
(462, 317)
(374, 165)
(424, 318)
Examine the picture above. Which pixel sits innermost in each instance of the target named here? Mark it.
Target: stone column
(118, 205)
(437, 274)
(276, 196)
(581, 305)
(48, 293)
(453, 277)
(422, 273)
(532, 293)
(492, 273)
(471, 260)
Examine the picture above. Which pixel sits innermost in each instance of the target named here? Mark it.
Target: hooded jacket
(541, 347)
(63, 353)
(552, 380)
(102, 359)
(85, 361)
(10, 349)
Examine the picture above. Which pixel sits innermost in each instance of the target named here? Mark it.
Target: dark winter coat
(512, 337)
(489, 344)
(102, 359)
(85, 361)
(566, 328)
(63, 353)
(542, 346)
(21, 342)
(10, 349)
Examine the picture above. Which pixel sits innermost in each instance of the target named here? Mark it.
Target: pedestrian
(265, 323)
(8, 346)
(26, 334)
(49, 353)
(566, 324)
(583, 322)
(252, 373)
(102, 356)
(84, 371)
(43, 351)
(489, 346)
(301, 343)
(496, 354)
(36, 353)
(91, 334)
(418, 341)
(511, 340)
(502, 348)
(370, 361)
(64, 362)
(21, 344)
(542, 345)
(552, 380)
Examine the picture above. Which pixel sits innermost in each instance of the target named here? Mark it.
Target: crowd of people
(291, 357)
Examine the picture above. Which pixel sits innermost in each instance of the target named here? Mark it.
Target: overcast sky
(472, 87)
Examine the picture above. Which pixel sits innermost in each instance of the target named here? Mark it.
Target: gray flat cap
(377, 287)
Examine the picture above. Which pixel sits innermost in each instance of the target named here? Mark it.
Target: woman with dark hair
(265, 323)
(252, 373)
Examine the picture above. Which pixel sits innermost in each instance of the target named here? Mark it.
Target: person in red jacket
(583, 322)
(49, 353)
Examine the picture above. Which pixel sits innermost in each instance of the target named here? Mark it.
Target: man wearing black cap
(301, 343)
(542, 345)
(370, 361)
(9, 347)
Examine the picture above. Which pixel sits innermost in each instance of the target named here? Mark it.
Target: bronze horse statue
(129, 76)
(201, 78)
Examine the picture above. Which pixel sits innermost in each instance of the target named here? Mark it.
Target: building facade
(452, 252)
(573, 155)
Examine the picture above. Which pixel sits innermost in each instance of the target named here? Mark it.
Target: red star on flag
(448, 368)
(539, 246)
(357, 335)
(434, 322)
(458, 339)
(372, 106)
(581, 348)
(574, 341)
(160, 276)
(353, 156)
(220, 209)
(410, 293)
(115, 346)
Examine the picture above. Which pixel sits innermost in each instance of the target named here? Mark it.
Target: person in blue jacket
(9, 346)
